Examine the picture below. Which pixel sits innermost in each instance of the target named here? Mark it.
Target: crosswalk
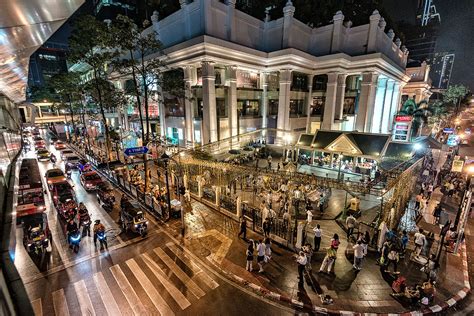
(162, 281)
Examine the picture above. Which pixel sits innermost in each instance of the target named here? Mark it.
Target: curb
(431, 310)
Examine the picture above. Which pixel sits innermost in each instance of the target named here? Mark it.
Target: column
(373, 30)
(161, 110)
(230, 20)
(418, 95)
(329, 105)
(283, 120)
(188, 104)
(264, 86)
(394, 105)
(366, 100)
(385, 123)
(288, 12)
(187, 23)
(340, 94)
(209, 115)
(309, 103)
(231, 82)
(375, 111)
(338, 19)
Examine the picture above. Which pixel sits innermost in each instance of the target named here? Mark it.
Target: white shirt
(302, 260)
(358, 251)
(261, 249)
(317, 232)
(420, 239)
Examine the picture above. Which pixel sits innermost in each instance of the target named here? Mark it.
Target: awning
(429, 142)
(305, 140)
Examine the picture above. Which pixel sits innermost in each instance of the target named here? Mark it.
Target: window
(221, 108)
(299, 82)
(317, 108)
(273, 107)
(248, 108)
(320, 83)
(296, 107)
(173, 107)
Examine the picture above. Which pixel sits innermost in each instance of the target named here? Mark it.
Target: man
(243, 228)
(302, 261)
(266, 228)
(437, 213)
(350, 224)
(358, 255)
(420, 241)
(98, 227)
(260, 255)
(71, 228)
(321, 203)
(317, 237)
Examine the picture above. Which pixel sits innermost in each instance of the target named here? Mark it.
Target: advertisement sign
(457, 166)
(448, 130)
(403, 118)
(402, 128)
(452, 140)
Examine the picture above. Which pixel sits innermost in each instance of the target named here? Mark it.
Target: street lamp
(297, 197)
(165, 158)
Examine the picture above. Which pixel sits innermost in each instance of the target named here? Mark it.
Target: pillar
(209, 119)
(338, 19)
(231, 82)
(329, 105)
(161, 111)
(373, 30)
(218, 196)
(418, 95)
(340, 94)
(230, 20)
(394, 105)
(283, 120)
(156, 27)
(309, 103)
(186, 20)
(366, 100)
(375, 111)
(188, 104)
(288, 12)
(386, 110)
(264, 103)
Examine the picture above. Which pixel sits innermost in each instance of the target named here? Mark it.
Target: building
(419, 86)
(242, 74)
(442, 67)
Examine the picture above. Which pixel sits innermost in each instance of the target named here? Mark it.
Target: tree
(135, 46)
(454, 94)
(420, 113)
(91, 43)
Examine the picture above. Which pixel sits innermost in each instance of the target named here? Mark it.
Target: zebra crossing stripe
(60, 303)
(83, 297)
(195, 268)
(106, 295)
(183, 277)
(37, 307)
(128, 291)
(180, 299)
(150, 290)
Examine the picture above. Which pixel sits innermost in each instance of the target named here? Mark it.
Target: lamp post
(165, 158)
(297, 196)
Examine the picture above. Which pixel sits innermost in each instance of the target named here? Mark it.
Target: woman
(331, 254)
(249, 253)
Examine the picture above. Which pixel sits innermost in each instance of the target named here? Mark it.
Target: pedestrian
(437, 213)
(268, 249)
(358, 255)
(243, 228)
(420, 241)
(321, 203)
(331, 255)
(249, 253)
(317, 237)
(309, 218)
(266, 227)
(286, 218)
(308, 250)
(365, 241)
(302, 261)
(404, 241)
(451, 189)
(393, 258)
(260, 255)
(351, 222)
(417, 201)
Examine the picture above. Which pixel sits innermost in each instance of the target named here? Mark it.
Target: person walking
(321, 203)
(243, 228)
(365, 240)
(266, 227)
(249, 253)
(393, 258)
(268, 249)
(302, 261)
(351, 222)
(260, 255)
(317, 237)
(358, 255)
(331, 255)
(404, 242)
(437, 213)
(420, 241)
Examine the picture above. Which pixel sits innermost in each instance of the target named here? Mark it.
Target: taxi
(54, 176)
(42, 154)
(90, 180)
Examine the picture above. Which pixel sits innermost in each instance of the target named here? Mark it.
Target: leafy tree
(420, 113)
(91, 43)
(454, 94)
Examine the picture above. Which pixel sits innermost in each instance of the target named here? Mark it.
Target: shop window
(296, 107)
(173, 107)
(317, 108)
(320, 83)
(349, 106)
(249, 108)
(273, 107)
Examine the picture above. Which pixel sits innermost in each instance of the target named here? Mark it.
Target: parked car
(90, 180)
(42, 154)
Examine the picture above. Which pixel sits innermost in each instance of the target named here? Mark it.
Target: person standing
(266, 227)
(321, 203)
(393, 258)
(420, 241)
(358, 255)
(404, 241)
(243, 228)
(302, 261)
(309, 218)
(268, 249)
(350, 224)
(317, 237)
(437, 213)
(331, 255)
(260, 255)
(249, 253)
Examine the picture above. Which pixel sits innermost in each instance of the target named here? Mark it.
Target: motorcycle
(142, 229)
(102, 237)
(69, 173)
(53, 159)
(75, 240)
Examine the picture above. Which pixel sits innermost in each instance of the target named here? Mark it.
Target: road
(155, 275)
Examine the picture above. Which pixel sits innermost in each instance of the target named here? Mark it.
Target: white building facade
(243, 74)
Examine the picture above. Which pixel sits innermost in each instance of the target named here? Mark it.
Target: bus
(30, 190)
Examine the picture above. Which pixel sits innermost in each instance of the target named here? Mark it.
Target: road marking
(59, 303)
(161, 276)
(198, 272)
(226, 242)
(37, 307)
(128, 291)
(106, 295)
(183, 277)
(150, 290)
(83, 297)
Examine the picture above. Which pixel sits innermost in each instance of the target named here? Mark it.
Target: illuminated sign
(403, 118)
(448, 130)
(457, 165)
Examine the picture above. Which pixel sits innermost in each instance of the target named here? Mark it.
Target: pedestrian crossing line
(182, 276)
(83, 297)
(150, 290)
(37, 307)
(198, 272)
(59, 303)
(128, 291)
(106, 295)
(180, 299)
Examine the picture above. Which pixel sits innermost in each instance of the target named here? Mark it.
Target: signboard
(448, 130)
(136, 151)
(457, 165)
(452, 140)
(467, 131)
(403, 118)
(402, 128)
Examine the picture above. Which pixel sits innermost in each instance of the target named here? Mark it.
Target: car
(37, 138)
(42, 154)
(66, 152)
(90, 180)
(59, 145)
(53, 139)
(133, 218)
(63, 188)
(71, 160)
(105, 193)
(40, 144)
(54, 176)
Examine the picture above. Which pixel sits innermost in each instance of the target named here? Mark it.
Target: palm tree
(420, 113)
